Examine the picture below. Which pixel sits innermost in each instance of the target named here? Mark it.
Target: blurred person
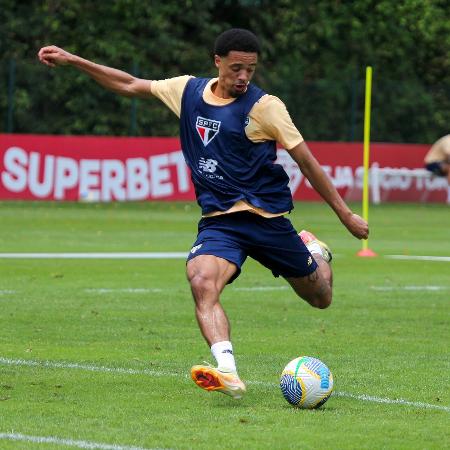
(437, 159)
(229, 129)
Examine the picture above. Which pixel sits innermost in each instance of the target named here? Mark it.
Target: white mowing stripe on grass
(155, 373)
(420, 258)
(121, 255)
(66, 442)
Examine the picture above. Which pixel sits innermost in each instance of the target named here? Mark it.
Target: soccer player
(229, 129)
(437, 159)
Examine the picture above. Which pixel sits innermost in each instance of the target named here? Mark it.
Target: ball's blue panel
(291, 389)
(320, 369)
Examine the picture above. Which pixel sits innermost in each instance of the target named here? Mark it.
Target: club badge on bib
(207, 129)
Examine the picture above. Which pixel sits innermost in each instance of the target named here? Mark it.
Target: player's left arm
(312, 170)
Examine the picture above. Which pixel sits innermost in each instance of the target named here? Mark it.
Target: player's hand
(357, 226)
(54, 56)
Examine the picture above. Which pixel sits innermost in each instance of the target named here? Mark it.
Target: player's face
(235, 72)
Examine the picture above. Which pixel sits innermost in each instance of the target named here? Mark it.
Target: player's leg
(208, 275)
(316, 288)
(214, 261)
(305, 265)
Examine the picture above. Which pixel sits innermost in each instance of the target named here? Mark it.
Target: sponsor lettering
(351, 178)
(86, 168)
(59, 177)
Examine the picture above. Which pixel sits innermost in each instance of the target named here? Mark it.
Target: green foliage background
(314, 58)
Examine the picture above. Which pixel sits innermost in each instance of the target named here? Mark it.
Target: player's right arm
(276, 124)
(112, 79)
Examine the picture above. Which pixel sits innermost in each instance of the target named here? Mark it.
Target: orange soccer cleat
(212, 379)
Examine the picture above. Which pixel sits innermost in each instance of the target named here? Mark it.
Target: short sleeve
(270, 120)
(170, 91)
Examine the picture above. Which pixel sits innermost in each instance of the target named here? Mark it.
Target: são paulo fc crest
(207, 129)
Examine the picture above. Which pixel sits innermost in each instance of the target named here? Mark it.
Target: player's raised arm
(112, 79)
(323, 185)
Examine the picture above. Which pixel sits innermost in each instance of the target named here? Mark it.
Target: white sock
(223, 353)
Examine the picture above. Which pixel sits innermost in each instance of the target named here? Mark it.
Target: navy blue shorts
(273, 242)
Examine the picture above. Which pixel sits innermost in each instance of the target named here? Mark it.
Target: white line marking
(409, 288)
(261, 288)
(159, 290)
(164, 255)
(420, 258)
(390, 401)
(68, 442)
(151, 255)
(89, 367)
(155, 373)
(124, 290)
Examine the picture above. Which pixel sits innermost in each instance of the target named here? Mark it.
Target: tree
(314, 57)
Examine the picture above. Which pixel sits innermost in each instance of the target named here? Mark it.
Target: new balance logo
(195, 248)
(207, 129)
(228, 351)
(207, 165)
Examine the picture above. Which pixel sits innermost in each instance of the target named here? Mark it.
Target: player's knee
(320, 300)
(323, 302)
(202, 286)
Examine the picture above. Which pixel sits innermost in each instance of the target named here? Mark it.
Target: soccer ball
(306, 382)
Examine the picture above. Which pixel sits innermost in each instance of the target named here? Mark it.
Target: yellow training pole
(366, 160)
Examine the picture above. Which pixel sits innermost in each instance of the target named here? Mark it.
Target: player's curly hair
(237, 39)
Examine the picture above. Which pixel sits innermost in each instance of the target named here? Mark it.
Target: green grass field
(95, 353)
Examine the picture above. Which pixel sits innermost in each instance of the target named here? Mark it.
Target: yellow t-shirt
(439, 151)
(269, 120)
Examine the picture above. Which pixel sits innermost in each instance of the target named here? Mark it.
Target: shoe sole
(209, 380)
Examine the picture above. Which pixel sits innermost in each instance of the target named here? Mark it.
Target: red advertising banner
(87, 168)
(92, 168)
(396, 172)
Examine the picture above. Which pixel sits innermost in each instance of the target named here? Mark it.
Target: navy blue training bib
(225, 165)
